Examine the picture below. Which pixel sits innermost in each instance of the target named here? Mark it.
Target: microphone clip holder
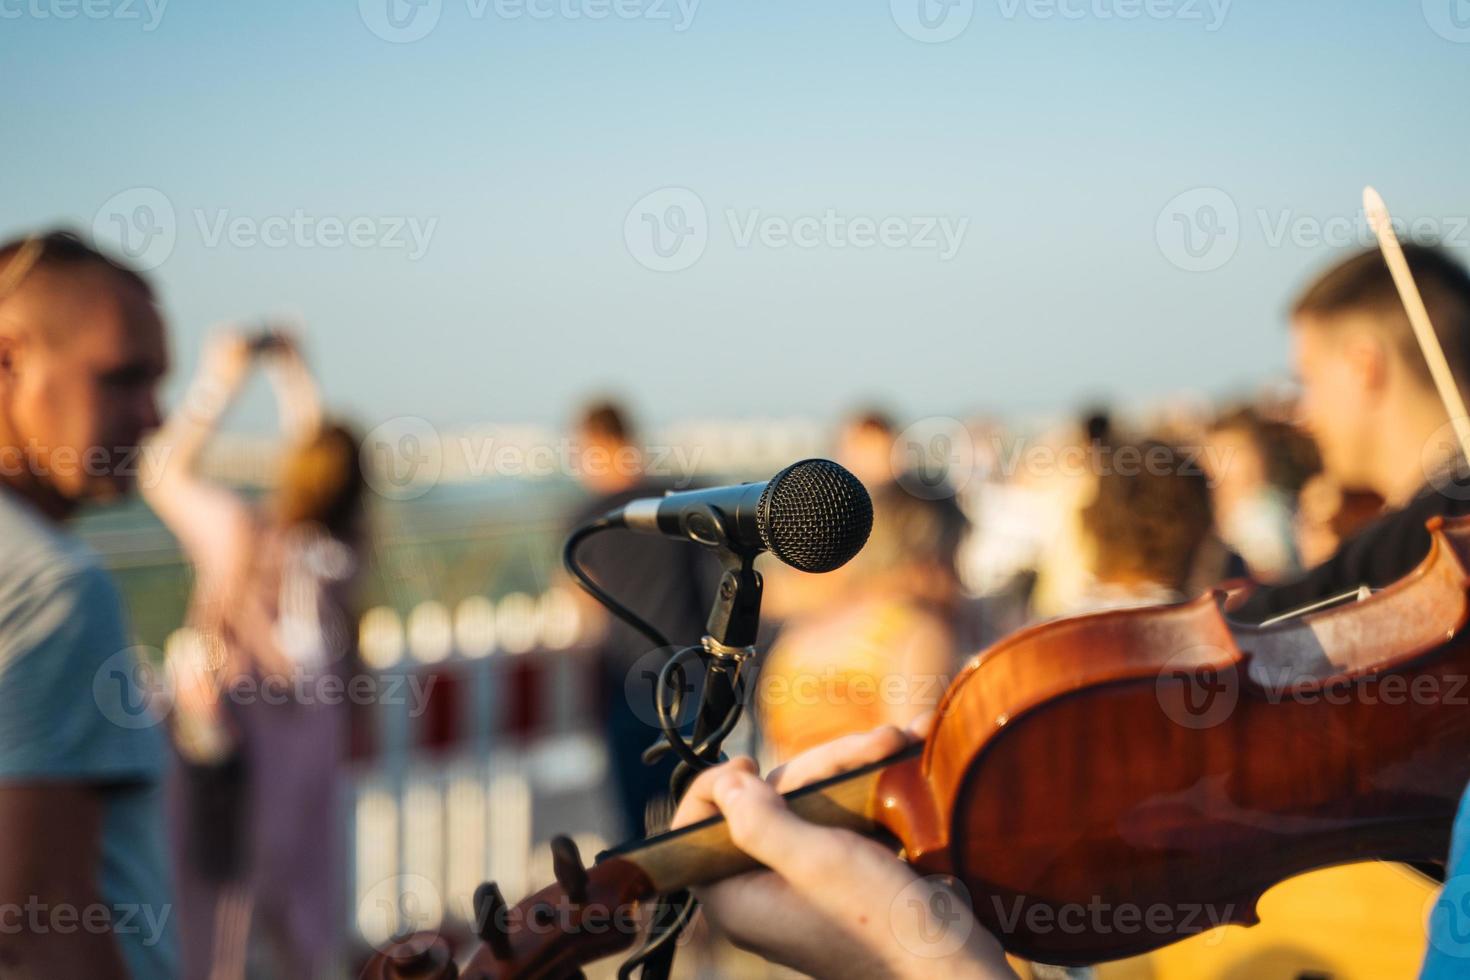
(727, 646)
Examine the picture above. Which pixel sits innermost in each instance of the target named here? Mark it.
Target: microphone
(813, 515)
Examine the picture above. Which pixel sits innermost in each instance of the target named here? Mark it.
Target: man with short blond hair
(84, 889)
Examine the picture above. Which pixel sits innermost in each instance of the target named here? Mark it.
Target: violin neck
(702, 853)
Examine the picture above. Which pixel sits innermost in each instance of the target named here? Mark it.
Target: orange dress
(848, 672)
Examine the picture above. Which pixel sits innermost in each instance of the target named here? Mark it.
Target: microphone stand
(729, 641)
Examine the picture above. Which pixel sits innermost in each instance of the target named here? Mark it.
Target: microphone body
(713, 517)
(813, 515)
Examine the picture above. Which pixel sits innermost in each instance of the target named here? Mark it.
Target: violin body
(1118, 781)
(1108, 784)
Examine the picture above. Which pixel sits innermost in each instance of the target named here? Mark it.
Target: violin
(1103, 785)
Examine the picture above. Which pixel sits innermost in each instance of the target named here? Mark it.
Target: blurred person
(1144, 527)
(82, 348)
(1327, 515)
(659, 578)
(261, 738)
(1371, 406)
(1061, 479)
(882, 652)
(1253, 512)
(865, 447)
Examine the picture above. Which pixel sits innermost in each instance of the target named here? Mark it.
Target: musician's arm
(1383, 552)
(834, 904)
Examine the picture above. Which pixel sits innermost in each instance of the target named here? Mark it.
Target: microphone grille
(814, 515)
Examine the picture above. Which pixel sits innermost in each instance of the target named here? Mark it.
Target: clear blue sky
(1060, 132)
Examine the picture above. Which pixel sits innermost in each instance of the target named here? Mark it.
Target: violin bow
(1398, 265)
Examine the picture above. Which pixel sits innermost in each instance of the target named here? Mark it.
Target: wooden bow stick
(1439, 368)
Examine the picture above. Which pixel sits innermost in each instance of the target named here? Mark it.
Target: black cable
(657, 951)
(569, 559)
(668, 708)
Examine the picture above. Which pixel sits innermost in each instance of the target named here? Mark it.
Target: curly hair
(1150, 515)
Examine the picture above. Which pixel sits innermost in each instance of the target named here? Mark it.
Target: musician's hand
(834, 904)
